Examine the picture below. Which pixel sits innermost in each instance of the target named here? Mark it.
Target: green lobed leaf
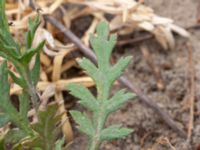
(118, 100)
(118, 68)
(27, 56)
(85, 96)
(102, 30)
(35, 72)
(103, 75)
(85, 125)
(114, 132)
(46, 128)
(102, 46)
(90, 68)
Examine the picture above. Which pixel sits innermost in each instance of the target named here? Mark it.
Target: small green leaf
(103, 30)
(4, 119)
(102, 46)
(104, 76)
(17, 80)
(117, 101)
(27, 56)
(118, 68)
(114, 132)
(85, 96)
(35, 72)
(33, 25)
(47, 129)
(90, 68)
(85, 125)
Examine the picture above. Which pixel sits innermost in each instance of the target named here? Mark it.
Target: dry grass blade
(60, 84)
(192, 92)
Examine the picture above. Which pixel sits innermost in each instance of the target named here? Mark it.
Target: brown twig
(192, 91)
(89, 53)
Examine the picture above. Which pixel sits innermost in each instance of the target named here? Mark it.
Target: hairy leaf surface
(114, 132)
(47, 129)
(118, 100)
(85, 96)
(85, 125)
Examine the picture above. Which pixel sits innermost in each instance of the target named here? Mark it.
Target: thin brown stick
(144, 99)
(192, 92)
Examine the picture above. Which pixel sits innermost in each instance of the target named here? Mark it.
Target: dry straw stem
(56, 74)
(192, 91)
(59, 85)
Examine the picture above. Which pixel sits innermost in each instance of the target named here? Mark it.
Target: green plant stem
(100, 121)
(95, 143)
(32, 91)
